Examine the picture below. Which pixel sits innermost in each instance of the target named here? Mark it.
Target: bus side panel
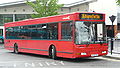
(38, 46)
(65, 49)
(8, 45)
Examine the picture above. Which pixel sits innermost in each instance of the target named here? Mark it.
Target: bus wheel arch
(52, 52)
(16, 49)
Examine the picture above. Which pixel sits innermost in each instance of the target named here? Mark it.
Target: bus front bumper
(90, 52)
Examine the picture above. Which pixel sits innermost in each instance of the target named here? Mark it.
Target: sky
(60, 1)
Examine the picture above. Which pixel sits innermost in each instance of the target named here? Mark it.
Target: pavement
(113, 55)
(115, 52)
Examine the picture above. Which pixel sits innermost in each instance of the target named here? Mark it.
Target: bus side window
(41, 31)
(53, 31)
(48, 31)
(10, 33)
(66, 30)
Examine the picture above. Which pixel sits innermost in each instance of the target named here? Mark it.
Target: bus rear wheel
(53, 53)
(16, 49)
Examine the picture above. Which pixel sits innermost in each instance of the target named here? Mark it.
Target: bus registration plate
(94, 54)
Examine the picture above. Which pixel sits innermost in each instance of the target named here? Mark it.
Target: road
(8, 59)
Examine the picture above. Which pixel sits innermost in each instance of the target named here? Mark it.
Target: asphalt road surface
(8, 59)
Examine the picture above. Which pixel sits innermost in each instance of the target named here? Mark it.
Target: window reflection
(66, 30)
(82, 32)
(89, 32)
(19, 17)
(5, 18)
(41, 31)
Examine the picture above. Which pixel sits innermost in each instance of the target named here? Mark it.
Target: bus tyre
(16, 49)
(53, 53)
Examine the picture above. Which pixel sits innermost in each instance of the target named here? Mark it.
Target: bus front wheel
(16, 49)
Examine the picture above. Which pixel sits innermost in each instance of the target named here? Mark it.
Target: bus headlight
(83, 53)
(104, 51)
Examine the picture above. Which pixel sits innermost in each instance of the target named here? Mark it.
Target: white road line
(109, 59)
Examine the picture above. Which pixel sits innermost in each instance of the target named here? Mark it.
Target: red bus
(70, 36)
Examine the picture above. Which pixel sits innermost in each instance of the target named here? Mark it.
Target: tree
(118, 2)
(44, 7)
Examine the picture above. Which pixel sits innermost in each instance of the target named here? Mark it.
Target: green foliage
(44, 7)
(118, 2)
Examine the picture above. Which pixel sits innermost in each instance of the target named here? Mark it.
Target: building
(118, 23)
(15, 11)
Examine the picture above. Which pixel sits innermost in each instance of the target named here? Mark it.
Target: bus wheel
(53, 53)
(16, 49)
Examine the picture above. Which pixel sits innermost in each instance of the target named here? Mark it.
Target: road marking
(46, 63)
(50, 63)
(32, 63)
(29, 65)
(109, 59)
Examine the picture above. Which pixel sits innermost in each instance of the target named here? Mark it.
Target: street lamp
(112, 18)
